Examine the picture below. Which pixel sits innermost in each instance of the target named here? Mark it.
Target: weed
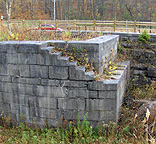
(75, 54)
(144, 37)
(144, 92)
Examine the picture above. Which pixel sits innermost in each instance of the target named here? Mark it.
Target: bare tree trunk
(121, 9)
(8, 4)
(147, 9)
(136, 7)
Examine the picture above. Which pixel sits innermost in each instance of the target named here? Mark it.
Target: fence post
(126, 25)
(135, 26)
(23, 22)
(56, 24)
(114, 25)
(74, 24)
(1, 22)
(94, 24)
(39, 27)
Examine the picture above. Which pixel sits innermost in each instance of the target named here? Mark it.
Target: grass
(145, 92)
(27, 34)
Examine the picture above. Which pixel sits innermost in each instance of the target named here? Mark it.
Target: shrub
(144, 37)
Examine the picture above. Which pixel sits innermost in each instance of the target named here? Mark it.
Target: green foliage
(144, 37)
(78, 55)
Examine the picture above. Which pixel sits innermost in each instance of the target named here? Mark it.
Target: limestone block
(71, 104)
(58, 72)
(5, 78)
(31, 81)
(70, 83)
(5, 87)
(152, 71)
(28, 47)
(23, 100)
(27, 58)
(12, 58)
(58, 92)
(78, 92)
(108, 94)
(6, 97)
(73, 114)
(100, 104)
(108, 116)
(100, 85)
(42, 91)
(47, 102)
(48, 82)
(4, 69)
(25, 89)
(24, 70)
(92, 115)
(3, 58)
(47, 113)
(93, 94)
(13, 70)
(39, 71)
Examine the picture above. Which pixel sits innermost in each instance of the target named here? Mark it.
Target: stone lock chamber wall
(43, 86)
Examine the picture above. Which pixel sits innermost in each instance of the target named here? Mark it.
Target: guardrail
(95, 25)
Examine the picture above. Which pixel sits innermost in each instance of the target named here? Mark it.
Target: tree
(8, 4)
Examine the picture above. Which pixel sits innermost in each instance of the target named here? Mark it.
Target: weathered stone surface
(39, 71)
(108, 94)
(139, 67)
(78, 92)
(100, 104)
(69, 83)
(152, 71)
(71, 104)
(58, 72)
(4, 69)
(139, 72)
(107, 116)
(24, 70)
(44, 86)
(47, 102)
(100, 85)
(3, 58)
(48, 82)
(27, 58)
(93, 94)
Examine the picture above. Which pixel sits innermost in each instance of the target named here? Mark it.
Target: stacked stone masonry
(44, 86)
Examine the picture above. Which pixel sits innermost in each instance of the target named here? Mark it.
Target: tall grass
(27, 34)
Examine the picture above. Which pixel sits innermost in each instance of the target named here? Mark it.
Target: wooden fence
(95, 25)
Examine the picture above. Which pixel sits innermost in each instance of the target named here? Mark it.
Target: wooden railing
(95, 25)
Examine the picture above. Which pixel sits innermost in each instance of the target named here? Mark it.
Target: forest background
(139, 10)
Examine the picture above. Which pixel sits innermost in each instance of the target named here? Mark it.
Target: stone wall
(144, 71)
(122, 35)
(100, 50)
(44, 86)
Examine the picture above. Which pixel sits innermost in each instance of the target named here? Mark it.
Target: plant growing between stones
(108, 72)
(76, 55)
(144, 37)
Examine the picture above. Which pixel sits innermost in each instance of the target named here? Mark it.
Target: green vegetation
(144, 37)
(76, 55)
(27, 34)
(145, 92)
